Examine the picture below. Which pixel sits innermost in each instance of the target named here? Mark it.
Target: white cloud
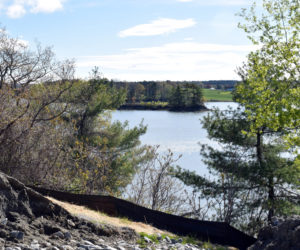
(173, 61)
(46, 6)
(20, 7)
(16, 10)
(158, 27)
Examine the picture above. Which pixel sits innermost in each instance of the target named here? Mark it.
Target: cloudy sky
(136, 39)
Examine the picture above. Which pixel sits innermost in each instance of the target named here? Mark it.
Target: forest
(153, 91)
(162, 95)
(56, 131)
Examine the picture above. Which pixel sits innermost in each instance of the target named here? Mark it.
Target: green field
(217, 95)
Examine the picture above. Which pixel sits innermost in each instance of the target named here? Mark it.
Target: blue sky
(136, 39)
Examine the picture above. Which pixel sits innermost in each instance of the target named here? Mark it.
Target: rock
(52, 248)
(71, 223)
(66, 247)
(3, 233)
(147, 240)
(158, 236)
(67, 235)
(3, 221)
(13, 216)
(86, 242)
(173, 241)
(58, 235)
(29, 217)
(84, 246)
(2, 241)
(17, 235)
(281, 234)
(35, 246)
(167, 239)
(266, 233)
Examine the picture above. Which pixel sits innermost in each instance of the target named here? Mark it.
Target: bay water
(181, 132)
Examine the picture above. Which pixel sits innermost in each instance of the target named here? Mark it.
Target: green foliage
(270, 90)
(106, 154)
(176, 99)
(185, 240)
(155, 104)
(59, 134)
(256, 167)
(186, 96)
(247, 189)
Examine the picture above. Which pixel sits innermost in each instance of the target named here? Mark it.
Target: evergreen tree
(105, 154)
(257, 168)
(197, 96)
(251, 180)
(176, 100)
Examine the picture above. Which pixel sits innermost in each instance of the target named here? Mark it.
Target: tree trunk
(271, 198)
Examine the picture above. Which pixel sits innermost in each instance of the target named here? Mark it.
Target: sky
(136, 40)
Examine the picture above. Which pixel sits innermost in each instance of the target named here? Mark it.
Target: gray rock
(158, 236)
(46, 244)
(66, 247)
(52, 248)
(106, 248)
(3, 234)
(281, 234)
(120, 248)
(86, 242)
(71, 223)
(86, 247)
(2, 241)
(3, 221)
(34, 241)
(67, 235)
(147, 240)
(167, 239)
(173, 241)
(35, 246)
(59, 234)
(180, 240)
(17, 235)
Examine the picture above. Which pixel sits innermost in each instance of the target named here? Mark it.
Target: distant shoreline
(162, 107)
(219, 101)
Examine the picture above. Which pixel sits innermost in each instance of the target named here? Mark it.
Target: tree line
(149, 91)
(177, 96)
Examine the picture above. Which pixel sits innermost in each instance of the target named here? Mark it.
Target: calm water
(180, 132)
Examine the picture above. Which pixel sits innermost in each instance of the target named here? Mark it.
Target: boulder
(279, 234)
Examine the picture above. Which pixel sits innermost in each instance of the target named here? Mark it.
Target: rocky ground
(29, 221)
(280, 234)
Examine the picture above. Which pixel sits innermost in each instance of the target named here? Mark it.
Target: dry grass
(98, 217)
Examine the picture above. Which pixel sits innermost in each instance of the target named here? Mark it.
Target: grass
(141, 228)
(158, 103)
(185, 240)
(101, 218)
(217, 95)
